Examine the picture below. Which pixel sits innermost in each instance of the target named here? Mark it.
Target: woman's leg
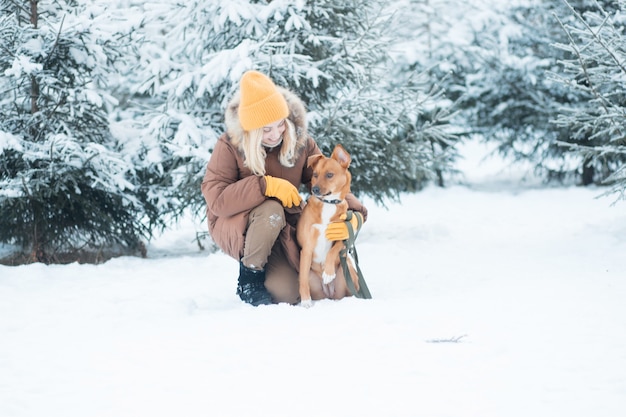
(264, 225)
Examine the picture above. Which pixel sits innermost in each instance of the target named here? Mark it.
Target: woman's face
(273, 133)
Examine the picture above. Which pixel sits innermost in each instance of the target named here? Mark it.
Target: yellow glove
(282, 190)
(339, 230)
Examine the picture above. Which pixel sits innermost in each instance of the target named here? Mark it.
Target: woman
(251, 189)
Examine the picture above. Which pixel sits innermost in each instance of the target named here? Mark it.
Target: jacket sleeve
(355, 205)
(225, 193)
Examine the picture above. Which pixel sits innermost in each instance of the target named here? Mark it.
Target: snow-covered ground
(493, 299)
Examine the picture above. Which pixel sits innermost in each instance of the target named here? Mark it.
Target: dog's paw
(306, 303)
(327, 279)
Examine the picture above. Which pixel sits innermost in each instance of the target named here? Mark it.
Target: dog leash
(349, 248)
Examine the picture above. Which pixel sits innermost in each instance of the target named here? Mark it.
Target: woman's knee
(270, 214)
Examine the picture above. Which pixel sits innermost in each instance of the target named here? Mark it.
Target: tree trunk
(34, 84)
(34, 16)
(588, 172)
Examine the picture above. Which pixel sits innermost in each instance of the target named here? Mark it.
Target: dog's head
(331, 178)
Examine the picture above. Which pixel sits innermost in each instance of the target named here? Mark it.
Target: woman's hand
(339, 230)
(282, 190)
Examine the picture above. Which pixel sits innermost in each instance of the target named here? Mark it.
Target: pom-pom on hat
(261, 103)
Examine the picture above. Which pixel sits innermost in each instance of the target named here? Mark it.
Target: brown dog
(319, 257)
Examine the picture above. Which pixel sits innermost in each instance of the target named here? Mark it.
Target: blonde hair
(254, 153)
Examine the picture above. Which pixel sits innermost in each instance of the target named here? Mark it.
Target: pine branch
(595, 34)
(581, 62)
(605, 103)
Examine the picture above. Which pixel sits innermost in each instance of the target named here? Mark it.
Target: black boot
(251, 286)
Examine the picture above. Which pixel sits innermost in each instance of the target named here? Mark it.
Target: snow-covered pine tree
(63, 184)
(431, 47)
(332, 53)
(597, 74)
(512, 99)
(389, 123)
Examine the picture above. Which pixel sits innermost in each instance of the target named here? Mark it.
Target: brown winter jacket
(231, 190)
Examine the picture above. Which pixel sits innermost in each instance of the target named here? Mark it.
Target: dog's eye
(329, 175)
(315, 175)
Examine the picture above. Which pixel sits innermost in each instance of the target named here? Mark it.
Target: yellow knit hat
(261, 102)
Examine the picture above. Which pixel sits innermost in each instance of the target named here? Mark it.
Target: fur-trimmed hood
(297, 115)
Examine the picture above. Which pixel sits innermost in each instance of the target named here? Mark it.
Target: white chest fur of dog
(323, 245)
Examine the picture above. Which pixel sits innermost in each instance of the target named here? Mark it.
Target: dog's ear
(340, 155)
(313, 159)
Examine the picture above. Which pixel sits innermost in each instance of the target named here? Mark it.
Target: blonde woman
(251, 189)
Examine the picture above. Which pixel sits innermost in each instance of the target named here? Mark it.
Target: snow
(8, 141)
(23, 64)
(494, 298)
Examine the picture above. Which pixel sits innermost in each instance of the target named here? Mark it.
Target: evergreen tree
(596, 73)
(431, 47)
(333, 54)
(63, 184)
(513, 99)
